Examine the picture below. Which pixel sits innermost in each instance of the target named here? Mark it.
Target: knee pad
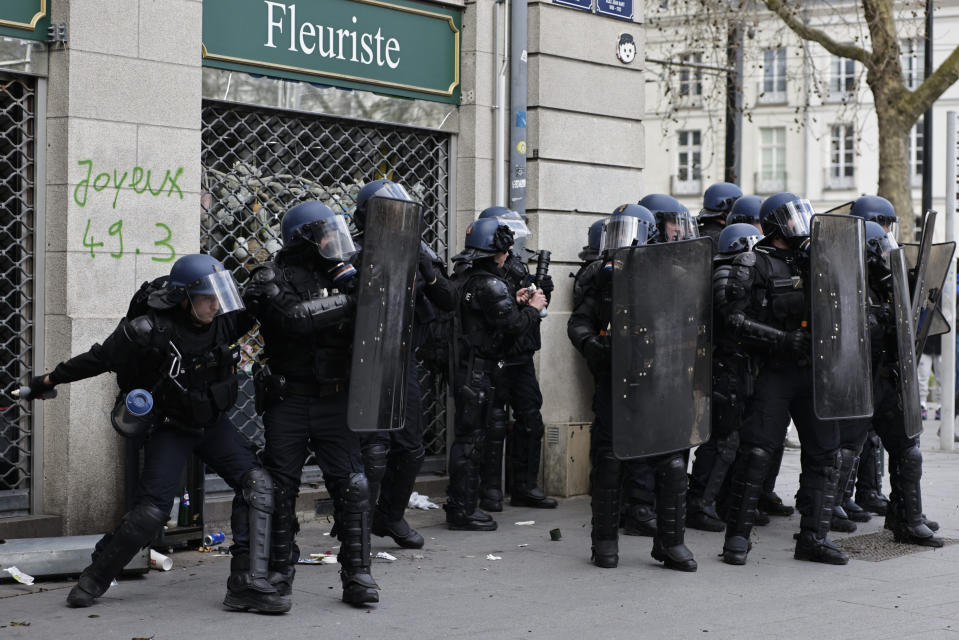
(672, 466)
(374, 460)
(258, 489)
(143, 521)
(356, 495)
(496, 430)
(910, 464)
(726, 447)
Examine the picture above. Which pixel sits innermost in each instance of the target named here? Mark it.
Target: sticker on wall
(521, 147)
(520, 120)
(626, 48)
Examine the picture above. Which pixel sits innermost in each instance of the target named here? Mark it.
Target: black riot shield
(929, 320)
(905, 341)
(661, 332)
(917, 274)
(841, 365)
(384, 315)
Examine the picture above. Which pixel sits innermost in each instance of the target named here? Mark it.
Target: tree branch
(804, 31)
(915, 103)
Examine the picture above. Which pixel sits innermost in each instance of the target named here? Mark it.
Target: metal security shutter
(258, 162)
(17, 224)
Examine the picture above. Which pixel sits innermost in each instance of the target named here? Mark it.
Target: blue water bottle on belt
(131, 415)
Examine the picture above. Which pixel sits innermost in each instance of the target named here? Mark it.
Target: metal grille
(17, 182)
(257, 163)
(879, 546)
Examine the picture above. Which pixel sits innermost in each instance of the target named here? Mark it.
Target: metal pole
(517, 110)
(927, 119)
(948, 370)
(734, 102)
(499, 152)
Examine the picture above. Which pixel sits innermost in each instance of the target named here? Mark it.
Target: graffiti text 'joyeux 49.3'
(138, 182)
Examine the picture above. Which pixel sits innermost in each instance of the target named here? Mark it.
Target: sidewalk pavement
(538, 588)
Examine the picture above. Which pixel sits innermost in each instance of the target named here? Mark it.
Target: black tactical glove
(797, 341)
(546, 285)
(426, 267)
(597, 352)
(38, 387)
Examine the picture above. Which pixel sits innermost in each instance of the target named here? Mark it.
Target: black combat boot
(605, 494)
(284, 553)
(904, 516)
(818, 483)
(527, 444)
(462, 513)
(749, 471)
(354, 534)
(669, 545)
(701, 501)
(248, 586)
(388, 517)
(138, 529)
(771, 504)
(869, 483)
(848, 472)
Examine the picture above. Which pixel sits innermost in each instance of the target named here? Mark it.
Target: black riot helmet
(315, 223)
(786, 215)
(382, 188)
(879, 243)
(629, 225)
(673, 221)
(514, 221)
(488, 236)
(719, 198)
(876, 209)
(593, 239)
(738, 238)
(745, 210)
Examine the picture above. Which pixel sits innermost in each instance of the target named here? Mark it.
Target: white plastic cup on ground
(159, 561)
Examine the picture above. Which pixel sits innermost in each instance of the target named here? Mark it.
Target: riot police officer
(732, 385)
(904, 515)
(489, 316)
(718, 201)
(868, 483)
(521, 388)
(184, 351)
(763, 302)
(393, 459)
(590, 251)
(587, 330)
(305, 303)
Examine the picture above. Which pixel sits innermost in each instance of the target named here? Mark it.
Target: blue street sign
(576, 4)
(615, 8)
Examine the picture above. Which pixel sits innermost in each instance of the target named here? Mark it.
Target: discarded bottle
(131, 417)
(183, 519)
(210, 539)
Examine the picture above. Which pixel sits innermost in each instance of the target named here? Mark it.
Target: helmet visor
(623, 231)
(392, 191)
(214, 294)
(745, 243)
(675, 226)
(792, 218)
(332, 237)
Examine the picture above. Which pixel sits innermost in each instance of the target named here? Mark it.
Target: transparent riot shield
(917, 274)
(841, 365)
(929, 320)
(662, 360)
(905, 340)
(384, 315)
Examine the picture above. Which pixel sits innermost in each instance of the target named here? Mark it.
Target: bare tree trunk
(894, 177)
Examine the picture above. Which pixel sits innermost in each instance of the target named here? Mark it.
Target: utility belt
(485, 365)
(270, 388)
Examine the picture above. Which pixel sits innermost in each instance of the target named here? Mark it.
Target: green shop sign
(24, 18)
(399, 47)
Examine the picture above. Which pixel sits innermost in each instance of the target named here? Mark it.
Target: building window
(842, 80)
(912, 60)
(842, 155)
(772, 160)
(688, 178)
(916, 148)
(690, 78)
(773, 88)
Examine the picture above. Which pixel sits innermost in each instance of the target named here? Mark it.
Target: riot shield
(929, 320)
(384, 315)
(662, 360)
(917, 274)
(842, 209)
(841, 364)
(905, 340)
